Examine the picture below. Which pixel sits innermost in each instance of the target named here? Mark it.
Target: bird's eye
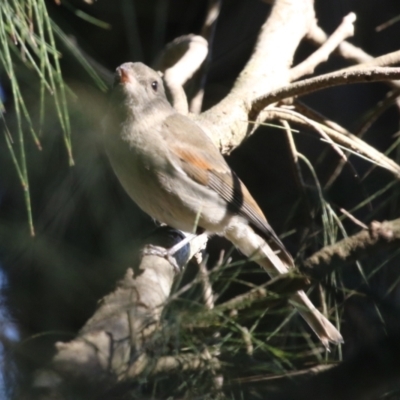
(154, 85)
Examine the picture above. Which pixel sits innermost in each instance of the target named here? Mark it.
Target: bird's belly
(172, 199)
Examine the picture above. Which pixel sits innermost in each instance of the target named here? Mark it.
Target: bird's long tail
(322, 327)
(254, 246)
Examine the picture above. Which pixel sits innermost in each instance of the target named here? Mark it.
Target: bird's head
(138, 84)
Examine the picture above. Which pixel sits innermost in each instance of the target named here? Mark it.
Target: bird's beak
(122, 75)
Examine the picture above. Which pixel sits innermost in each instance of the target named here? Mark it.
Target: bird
(174, 172)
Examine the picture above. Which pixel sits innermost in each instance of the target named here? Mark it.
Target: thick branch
(112, 345)
(267, 69)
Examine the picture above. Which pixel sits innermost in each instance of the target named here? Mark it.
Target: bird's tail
(322, 327)
(276, 263)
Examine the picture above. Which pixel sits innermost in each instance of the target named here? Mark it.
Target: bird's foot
(153, 250)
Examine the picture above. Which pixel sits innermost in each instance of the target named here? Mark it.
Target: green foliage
(28, 40)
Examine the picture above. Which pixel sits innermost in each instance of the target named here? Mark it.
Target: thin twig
(307, 67)
(294, 155)
(306, 86)
(298, 176)
(179, 62)
(353, 218)
(347, 50)
(385, 60)
(208, 33)
(321, 119)
(378, 110)
(351, 142)
(350, 52)
(386, 24)
(208, 296)
(317, 127)
(318, 117)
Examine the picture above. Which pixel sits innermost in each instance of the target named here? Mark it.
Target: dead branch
(307, 67)
(315, 126)
(179, 62)
(267, 69)
(208, 33)
(345, 49)
(307, 86)
(354, 54)
(112, 345)
(347, 140)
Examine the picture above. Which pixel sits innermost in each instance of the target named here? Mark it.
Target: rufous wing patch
(193, 165)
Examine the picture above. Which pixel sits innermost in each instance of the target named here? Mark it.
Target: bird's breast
(157, 184)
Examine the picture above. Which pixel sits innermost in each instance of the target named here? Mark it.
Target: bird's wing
(200, 159)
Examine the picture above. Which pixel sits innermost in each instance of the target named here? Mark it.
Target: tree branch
(354, 54)
(349, 141)
(207, 32)
(307, 86)
(267, 69)
(383, 236)
(345, 30)
(179, 62)
(113, 343)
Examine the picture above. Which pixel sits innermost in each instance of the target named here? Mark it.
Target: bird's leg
(169, 254)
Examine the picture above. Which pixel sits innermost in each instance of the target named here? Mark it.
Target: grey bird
(173, 171)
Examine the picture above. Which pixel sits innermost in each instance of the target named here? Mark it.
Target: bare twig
(318, 117)
(378, 110)
(304, 373)
(381, 61)
(208, 33)
(179, 61)
(353, 53)
(345, 30)
(306, 86)
(317, 127)
(353, 218)
(208, 295)
(295, 157)
(347, 50)
(312, 114)
(349, 141)
(386, 24)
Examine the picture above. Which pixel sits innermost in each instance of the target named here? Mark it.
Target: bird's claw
(153, 250)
